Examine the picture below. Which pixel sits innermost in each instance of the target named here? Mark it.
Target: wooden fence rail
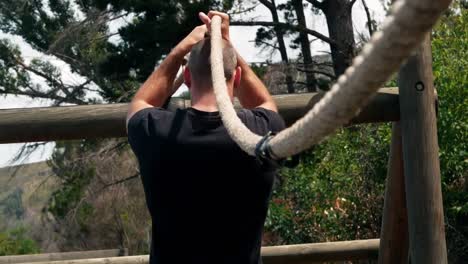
(108, 120)
(290, 254)
(63, 256)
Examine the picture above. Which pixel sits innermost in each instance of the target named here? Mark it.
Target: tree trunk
(281, 45)
(340, 29)
(311, 82)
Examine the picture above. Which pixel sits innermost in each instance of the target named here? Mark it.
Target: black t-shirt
(207, 198)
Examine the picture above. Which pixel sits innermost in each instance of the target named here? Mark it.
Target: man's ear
(237, 77)
(187, 77)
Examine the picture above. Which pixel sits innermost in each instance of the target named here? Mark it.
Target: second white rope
(379, 59)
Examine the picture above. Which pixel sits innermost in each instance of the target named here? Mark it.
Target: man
(207, 198)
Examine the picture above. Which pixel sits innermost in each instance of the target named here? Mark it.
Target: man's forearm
(252, 92)
(159, 86)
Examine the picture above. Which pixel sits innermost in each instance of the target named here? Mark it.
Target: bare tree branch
(273, 46)
(267, 4)
(58, 85)
(316, 3)
(369, 18)
(36, 94)
(22, 154)
(40, 74)
(249, 9)
(120, 181)
(286, 26)
(316, 63)
(332, 76)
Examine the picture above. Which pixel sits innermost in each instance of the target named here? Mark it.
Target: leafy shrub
(16, 242)
(450, 53)
(336, 192)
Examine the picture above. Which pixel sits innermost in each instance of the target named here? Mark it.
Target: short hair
(199, 61)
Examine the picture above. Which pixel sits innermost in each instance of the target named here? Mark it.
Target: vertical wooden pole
(394, 233)
(421, 161)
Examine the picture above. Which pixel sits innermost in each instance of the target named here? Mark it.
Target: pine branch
(36, 94)
(69, 96)
(40, 74)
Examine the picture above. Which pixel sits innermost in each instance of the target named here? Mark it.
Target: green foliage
(11, 76)
(31, 20)
(75, 175)
(336, 191)
(16, 242)
(259, 69)
(84, 213)
(450, 44)
(153, 32)
(450, 53)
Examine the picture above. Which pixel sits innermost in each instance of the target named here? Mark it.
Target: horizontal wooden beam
(47, 257)
(108, 120)
(321, 252)
(290, 254)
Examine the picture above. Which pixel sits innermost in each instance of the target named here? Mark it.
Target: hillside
(24, 190)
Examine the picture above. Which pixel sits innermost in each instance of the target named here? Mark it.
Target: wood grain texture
(291, 254)
(321, 252)
(63, 256)
(394, 243)
(421, 160)
(108, 120)
(141, 259)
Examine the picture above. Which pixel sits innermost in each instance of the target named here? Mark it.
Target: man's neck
(204, 102)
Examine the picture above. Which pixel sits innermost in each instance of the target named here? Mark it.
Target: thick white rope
(401, 33)
(236, 129)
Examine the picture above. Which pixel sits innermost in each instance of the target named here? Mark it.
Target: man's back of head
(200, 66)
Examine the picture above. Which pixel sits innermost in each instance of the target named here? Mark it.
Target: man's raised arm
(252, 92)
(159, 86)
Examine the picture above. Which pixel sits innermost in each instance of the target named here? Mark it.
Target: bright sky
(242, 38)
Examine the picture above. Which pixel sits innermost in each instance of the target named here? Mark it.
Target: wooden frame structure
(108, 120)
(413, 223)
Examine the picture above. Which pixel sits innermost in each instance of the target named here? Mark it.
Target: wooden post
(394, 233)
(421, 161)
